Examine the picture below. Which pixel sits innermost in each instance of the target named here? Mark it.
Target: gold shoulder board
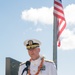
(50, 61)
(22, 63)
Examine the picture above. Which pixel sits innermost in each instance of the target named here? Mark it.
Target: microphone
(27, 66)
(28, 63)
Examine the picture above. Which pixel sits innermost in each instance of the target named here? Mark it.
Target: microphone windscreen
(28, 63)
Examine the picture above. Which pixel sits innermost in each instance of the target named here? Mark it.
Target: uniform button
(34, 71)
(34, 64)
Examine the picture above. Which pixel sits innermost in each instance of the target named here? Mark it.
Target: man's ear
(39, 49)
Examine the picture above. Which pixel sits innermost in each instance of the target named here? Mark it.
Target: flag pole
(58, 27)
(55, 41)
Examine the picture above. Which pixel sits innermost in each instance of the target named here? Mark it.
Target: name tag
(43, 67)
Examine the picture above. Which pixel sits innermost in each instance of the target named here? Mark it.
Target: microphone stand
(26, 69)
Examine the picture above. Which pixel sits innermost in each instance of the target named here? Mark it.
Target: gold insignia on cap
(30, 42)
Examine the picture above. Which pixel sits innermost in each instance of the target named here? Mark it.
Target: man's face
(34, 53)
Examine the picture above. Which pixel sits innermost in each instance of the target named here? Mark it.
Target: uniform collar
(37, 61)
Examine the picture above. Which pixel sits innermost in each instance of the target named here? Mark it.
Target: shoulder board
(22, 63)
(50, 61)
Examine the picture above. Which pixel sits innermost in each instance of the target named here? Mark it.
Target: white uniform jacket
(47, 69)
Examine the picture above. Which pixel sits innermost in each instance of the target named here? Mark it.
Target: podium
(12, 66)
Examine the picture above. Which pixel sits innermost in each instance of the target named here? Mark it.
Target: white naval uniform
(48, 69)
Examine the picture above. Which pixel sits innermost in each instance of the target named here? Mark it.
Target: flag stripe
(57, 15)
(58, 3)
(55, 5)
(59, 33)
(60, 22)
(57, 9)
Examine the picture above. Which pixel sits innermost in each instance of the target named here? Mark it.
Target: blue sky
(18, 22)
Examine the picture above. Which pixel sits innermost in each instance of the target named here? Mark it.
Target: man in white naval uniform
(36, 65)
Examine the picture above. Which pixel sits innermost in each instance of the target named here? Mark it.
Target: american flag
(59, 14)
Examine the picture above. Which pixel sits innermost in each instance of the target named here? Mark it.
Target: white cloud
(68, 41)
(43, 15)
(70, 13)
(38, 30)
